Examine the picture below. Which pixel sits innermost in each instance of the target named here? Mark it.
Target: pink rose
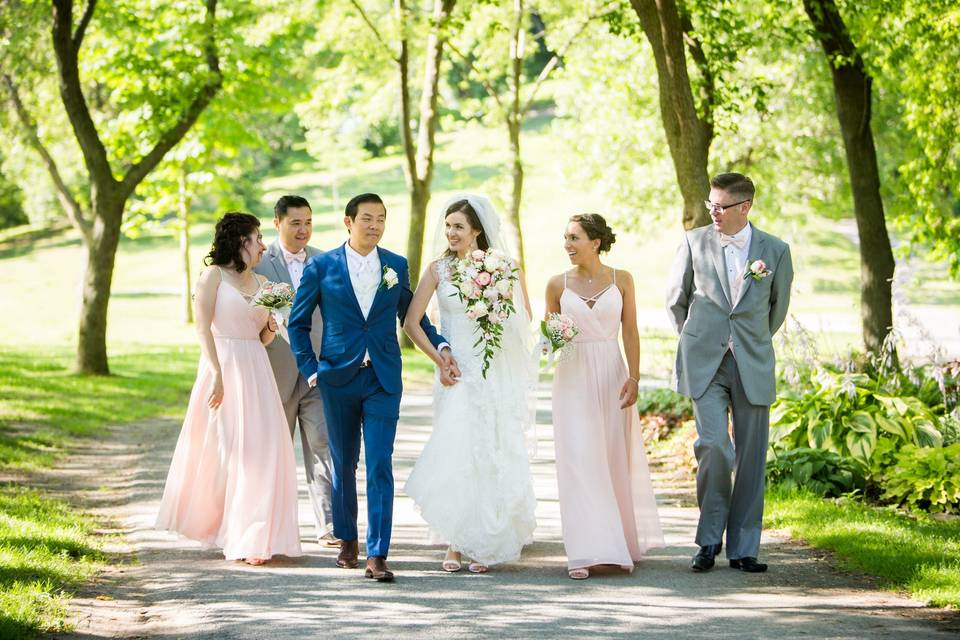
(483, 279)
(478, 254)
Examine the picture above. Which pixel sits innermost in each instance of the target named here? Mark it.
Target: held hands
(628, 393)
(215, 399)
(449, 370)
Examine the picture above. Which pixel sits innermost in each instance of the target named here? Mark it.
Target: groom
(728, 294)
(361, 291)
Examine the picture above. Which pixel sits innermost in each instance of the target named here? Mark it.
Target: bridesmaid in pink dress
(232, 482)
(608, 511)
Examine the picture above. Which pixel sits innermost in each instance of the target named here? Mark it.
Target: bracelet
(270, 330)
(634, 379)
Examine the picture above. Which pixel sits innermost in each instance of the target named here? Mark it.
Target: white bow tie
(738, 242)
(299, 256)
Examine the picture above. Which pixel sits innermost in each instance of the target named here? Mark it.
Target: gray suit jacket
(701, 309)
(284, 364)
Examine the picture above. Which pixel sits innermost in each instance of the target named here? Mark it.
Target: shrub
(848, 413)
(824, 473)
(665, 402)
(925, 478)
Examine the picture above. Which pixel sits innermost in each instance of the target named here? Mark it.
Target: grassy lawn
(918, 555)
(46, 546)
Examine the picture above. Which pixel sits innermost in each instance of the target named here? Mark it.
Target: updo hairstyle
(596, 228)
(228, 238)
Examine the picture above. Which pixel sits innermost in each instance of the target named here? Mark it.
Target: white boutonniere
(758, 270)
(390, 278)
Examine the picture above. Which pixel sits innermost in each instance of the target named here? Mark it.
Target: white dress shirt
(736, 260)
(295, 263)
(365, 277)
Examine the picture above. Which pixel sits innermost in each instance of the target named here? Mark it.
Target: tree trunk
(516, 196)
(688, 135)
(97, 279)
(184, 206)
(426, 138)
(514, 122)
(852, 87)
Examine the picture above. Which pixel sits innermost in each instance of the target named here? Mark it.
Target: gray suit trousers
(306, 406)
(735, 505)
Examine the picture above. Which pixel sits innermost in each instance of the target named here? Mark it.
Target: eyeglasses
(720, 208)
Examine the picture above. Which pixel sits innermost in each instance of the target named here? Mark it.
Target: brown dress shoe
(377, 570)
(347, 558)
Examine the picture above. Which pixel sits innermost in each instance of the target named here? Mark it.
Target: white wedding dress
(472, 482)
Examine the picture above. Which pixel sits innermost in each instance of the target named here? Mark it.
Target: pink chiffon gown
(232, 483)
(608, 511)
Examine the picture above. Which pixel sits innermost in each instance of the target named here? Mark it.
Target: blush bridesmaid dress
(232, 483)
(608, 511)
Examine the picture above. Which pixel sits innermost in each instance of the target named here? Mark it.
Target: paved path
(167, 588)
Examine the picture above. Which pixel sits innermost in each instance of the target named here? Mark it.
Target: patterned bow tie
(299, 256)
(726, 241)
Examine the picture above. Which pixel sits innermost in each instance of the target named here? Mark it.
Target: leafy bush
(666, 402)
(848, 413)
(824, 473)
(925, 478)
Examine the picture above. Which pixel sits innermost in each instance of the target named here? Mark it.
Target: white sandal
(579, 574)
(451, 564)
(476, 567)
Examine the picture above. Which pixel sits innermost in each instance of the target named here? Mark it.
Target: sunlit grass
(920, 555)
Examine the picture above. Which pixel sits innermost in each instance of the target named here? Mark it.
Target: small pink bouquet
(558, 331)
(278, 298)
(485, 282)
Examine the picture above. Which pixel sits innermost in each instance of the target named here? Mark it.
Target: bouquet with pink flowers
(278, 298)
(558, 332)
(485, 282)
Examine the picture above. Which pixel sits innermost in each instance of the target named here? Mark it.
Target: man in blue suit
(362, 290)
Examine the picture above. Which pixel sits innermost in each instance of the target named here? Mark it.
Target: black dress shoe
(749, 565)
(705, 558)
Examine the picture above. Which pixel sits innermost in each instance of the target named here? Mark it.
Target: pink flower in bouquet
(478, 255)
(483, 278)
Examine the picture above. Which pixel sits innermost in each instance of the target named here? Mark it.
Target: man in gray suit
(284, 262)
(728, 294)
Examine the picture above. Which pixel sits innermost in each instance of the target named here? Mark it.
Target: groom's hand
(450, 362)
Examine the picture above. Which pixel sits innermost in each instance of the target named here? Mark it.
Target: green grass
(43, 405)
(46, 546)
(45, 549)
(918, 555)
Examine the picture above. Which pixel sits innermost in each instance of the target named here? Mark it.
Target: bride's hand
(446, 377)
(628, 393)
(216, 395)
(451, 363)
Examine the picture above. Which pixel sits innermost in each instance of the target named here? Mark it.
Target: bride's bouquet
(278, 298)
(484, 282)
(558, 332)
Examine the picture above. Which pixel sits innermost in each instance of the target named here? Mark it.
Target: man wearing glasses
(728, 294)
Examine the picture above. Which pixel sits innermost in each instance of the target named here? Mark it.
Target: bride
(472, 482)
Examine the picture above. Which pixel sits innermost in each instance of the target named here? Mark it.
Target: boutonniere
(758, 270)
(390, 279)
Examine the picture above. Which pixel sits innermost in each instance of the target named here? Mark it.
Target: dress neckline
(595, 298)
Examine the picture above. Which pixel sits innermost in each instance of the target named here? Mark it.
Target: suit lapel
(713, 242)
(341, 256)
(279, 264)
(381, 288)
(754, 253)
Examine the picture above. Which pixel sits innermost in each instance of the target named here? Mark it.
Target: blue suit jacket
(347, 335)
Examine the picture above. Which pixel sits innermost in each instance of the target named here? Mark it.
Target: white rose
(504, 286)
(466, 288)
(491, 294)
(492, 261)
(479, 308)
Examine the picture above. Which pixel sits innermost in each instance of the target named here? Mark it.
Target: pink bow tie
(299, 256)
(726, 241)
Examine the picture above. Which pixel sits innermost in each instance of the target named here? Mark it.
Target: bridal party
(297, 339)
